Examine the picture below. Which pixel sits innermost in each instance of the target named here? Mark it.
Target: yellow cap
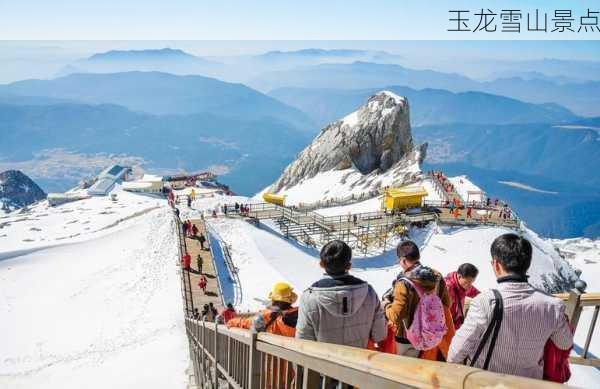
(282, 291)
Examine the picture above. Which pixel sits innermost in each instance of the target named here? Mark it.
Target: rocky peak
(17, 190)
(373, 138)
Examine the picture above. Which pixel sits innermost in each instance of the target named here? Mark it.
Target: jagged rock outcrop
(373, 138)
(17, 191)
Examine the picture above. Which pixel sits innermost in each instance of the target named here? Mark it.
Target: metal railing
(186, 282)
(234, 358)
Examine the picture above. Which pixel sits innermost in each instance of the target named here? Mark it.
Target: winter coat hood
(341, 310)
(340, 295)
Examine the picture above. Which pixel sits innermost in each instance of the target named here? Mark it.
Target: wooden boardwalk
(199, 298)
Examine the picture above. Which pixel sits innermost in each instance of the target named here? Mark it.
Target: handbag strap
(494, 327)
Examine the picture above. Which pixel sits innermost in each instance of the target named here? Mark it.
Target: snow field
(102, 313)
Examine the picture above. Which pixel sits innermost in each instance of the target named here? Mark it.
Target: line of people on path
(512, 329)
(210, 314)
(192, 231)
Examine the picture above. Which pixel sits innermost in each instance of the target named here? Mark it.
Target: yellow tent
(402, 198)
(274, 199)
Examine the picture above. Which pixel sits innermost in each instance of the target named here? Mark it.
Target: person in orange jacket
(279, 318)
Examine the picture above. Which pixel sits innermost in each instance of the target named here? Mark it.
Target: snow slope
(44, 226)
(100, 310)
(343, 183)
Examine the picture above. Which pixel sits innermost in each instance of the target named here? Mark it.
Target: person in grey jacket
(530, 317)
(340, 308)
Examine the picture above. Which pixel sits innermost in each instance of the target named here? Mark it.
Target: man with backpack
(507, 329)
(340, 308)
(418, 292)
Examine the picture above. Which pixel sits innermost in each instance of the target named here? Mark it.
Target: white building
(107, 179)
(149, 183)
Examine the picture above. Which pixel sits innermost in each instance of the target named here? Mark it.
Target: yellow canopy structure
(402, 198)
(274, 199)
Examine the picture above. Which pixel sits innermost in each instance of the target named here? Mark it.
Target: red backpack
(556, 362)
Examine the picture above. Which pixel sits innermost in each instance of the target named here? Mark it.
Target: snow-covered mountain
(372, 140)
(17, 191)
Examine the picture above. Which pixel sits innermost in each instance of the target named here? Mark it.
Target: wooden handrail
(350, 365)
(587, 299)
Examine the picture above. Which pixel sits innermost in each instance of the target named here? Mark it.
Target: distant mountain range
(313, 56)
(550, 68)
(428, 106)
(251, 152)
(162, 60)
(583, 98)
(557, 153)
(161, 93)
(539, 81)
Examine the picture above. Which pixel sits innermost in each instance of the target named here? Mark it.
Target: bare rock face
(17, 191)
(373, 138)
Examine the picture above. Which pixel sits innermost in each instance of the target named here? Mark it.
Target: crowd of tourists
(512, 329)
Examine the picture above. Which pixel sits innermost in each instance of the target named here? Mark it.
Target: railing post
(590, 333)
(216, 356)
(203, 353)
(573, 306)
(311, 379)
(253, 364)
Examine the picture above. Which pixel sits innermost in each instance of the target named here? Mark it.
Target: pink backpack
(429, 324)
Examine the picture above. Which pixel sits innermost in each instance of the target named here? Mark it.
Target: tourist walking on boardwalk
(189, 228)
(460, 285)
(340, 308)
(202, 283)
(209, 312)
(186, 261)
(279, 318)
(194, 231)
(202, 239)
(506, 329)
(227, 314)
(199, 261)
(401, 304)
(204, 311)
(184, 226)
(213, 311)
(189, 201)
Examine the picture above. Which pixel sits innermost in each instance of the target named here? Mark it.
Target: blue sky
(256, 19)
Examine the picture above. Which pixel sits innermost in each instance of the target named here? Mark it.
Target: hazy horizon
(44, 59)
